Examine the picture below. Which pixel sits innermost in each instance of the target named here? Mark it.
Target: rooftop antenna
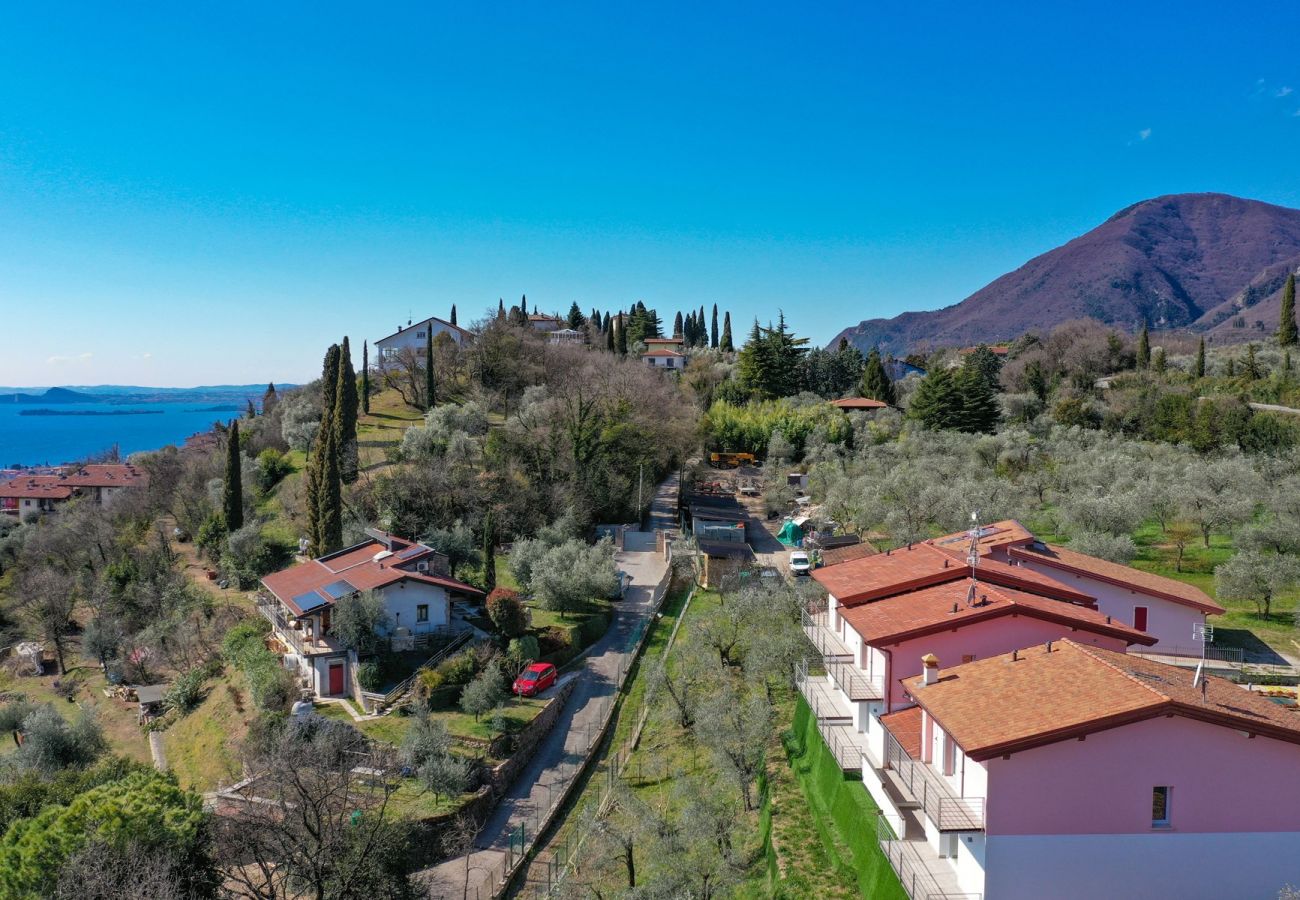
(973, 557)
(1202, 633)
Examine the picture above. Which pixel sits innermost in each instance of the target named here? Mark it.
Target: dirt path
(196, 569)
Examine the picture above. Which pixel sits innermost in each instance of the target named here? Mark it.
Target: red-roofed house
(411, 577)
(98, 483)
(1071, 771)
(1166, 609)
(664, 359)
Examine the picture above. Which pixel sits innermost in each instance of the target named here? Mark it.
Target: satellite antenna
(1202, 633)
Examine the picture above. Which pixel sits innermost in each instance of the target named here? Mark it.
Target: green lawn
(518, 712)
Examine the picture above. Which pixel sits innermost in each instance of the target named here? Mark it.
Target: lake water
(37, 440)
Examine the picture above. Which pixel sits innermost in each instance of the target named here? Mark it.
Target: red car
(535, 679)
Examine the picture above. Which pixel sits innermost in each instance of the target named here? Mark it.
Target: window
(949, 755)
(1140, 618)
(967, 658)
(419, 334)
(422, 612)
(1160, 806)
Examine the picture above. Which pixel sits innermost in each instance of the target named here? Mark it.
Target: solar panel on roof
(309, 600)
(413, 551)
(338, 589)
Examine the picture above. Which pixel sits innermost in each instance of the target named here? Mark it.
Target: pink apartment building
(1074, 771)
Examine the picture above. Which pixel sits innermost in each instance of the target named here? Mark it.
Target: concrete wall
(1220, 780)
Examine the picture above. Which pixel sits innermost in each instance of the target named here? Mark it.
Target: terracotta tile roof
(905, 726)
(836, 555)
(928, 610)
(859, 403)
(921, 565)
(107, 475)
(51, 487)
(318, 583)
(1124, 576)
(1009, 703)
(992, 536)
(671, 340)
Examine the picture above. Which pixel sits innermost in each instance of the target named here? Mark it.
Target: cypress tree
(365, 377)
(250, 411)
(701, 329)
(620, 339)
(1144, 349)
(1287, 333)
(269, 398)
(345, 416)
(725, 343)
(331, 496)
(1251, 369)
(609, 339)
(501, 308)
(232, 497)
(605, 325)
(1200, 359)
(875, 380)
(1232, 367)
(430, 389)
(329, 382)
(1286, 362)
(713, 329)
(489, 553)
(324, 489)
(679, 329)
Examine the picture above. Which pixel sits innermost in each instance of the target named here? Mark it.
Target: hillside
(1178, 261)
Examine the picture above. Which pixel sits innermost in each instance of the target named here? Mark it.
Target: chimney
(931, 670)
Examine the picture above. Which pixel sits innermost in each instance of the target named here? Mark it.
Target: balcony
(919, 783)
(922, 873)
(838, 660)
(834, 718)
(294, 638)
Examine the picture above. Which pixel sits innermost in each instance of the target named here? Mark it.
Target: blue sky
(214, 195)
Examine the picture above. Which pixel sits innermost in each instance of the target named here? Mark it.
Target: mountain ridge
(1174, 261)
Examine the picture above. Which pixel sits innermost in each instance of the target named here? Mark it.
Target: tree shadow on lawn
(1254, 650)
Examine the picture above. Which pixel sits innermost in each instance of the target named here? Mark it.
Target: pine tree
(345, 416)
(250, 411)
(621, 338)
(365, 377)
(1144, 349)
(1200, 359)
(430, 388)
(679, 330)
(936, 403)
(979, 402)
(1159, 361)
(453, 314)
(576, 318)
(1287, 333)
(269, 398)
(725, 344)
(713, 329)
(875, 380)
(1251, 369)
(232, 497)
(489, 553)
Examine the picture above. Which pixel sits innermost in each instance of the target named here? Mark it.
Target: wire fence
(550, 867)
(534, 816)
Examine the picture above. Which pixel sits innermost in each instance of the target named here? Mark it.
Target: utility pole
(640, 475)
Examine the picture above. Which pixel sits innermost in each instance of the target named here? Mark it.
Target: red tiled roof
(929, 610)
(907, 569)
(991, 537)
(836, 555)
(47, 486)
(671, 340)
(905, 726)
(1123, 576)
(301, 587)
(443, 322)
(1014, 702)
(661, 353)
(858, 403)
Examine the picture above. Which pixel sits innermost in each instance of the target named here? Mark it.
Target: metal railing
(833, 725)
(828, 644)
(913, 873)
(855, 683)
(1234, 655)
(283, 630)
(459, 640)
(942, 805)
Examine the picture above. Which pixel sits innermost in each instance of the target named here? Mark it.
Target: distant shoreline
(91, 412)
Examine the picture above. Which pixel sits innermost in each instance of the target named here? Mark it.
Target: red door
(1140, 618)
(336, 678)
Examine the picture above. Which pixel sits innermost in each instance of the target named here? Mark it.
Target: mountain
(1177, 261)
(52, 395)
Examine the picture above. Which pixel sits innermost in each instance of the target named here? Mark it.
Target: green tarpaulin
(790, 534)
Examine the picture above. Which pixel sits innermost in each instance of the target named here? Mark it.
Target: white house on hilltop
(414, 337)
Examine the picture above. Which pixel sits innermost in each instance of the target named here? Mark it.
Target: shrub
(241, 637)
(507, 612)
(272, 466)
(186, 692)
(485, 692)
(370, 675)
(458, 669)
(523, 651)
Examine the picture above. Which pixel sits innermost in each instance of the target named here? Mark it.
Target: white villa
(414, 337)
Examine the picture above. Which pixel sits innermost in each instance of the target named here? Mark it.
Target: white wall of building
(414, 338)
(403, 599)
(1205, 866)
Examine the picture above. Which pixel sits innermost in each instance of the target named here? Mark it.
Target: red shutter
(1140, 618)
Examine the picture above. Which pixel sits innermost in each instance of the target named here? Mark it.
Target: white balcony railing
(923, 875)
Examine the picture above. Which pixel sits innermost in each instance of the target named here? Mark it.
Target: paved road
(568, 742)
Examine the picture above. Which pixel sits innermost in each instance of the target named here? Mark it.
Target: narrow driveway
(568, 743)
